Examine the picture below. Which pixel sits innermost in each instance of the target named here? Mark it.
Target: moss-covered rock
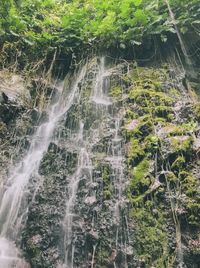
(160, 131)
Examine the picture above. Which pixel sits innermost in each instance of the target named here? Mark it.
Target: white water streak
(93, 255)
(98, 95)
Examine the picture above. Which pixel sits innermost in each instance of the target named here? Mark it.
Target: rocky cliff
(118, 181)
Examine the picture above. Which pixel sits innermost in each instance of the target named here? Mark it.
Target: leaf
(140, 16)
(137, 2)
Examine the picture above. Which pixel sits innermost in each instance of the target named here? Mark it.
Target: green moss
(107, 194)
(186, 128)
(184, 174)
(140, 180)
(173, 92)
(103, 252)
(179, 163)
(148, 95)
(182, 144)
(151, 241)
(149, 77)
(140, 170)
(143, 128)
(197, 111)
(107, 185)
(105, 174)
(157, 105)
(130, 114)
(193, 211)
(164, 111)
(149, 98)
(170, 130)
(152, 143)
(171, 177)
(135, 152)
(116, 92)
(152, 105)
(190, 185)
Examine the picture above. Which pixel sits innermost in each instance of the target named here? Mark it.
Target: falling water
(10, 255)
(100, 101)
(14, 207)
(84, 166)
(93, 255)
(13, 192)
(98, 94)
(116, 159)
(84, 163)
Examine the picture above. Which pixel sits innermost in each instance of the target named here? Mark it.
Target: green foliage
(149, 98)
(43, 26)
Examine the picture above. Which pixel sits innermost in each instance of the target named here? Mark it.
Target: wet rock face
(19, 116)
(9, 110)
(18, 122)
(135, 169)
(87, 233)
(43, 235)
(14, 87)
(16, 126)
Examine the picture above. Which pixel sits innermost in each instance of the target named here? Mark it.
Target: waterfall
(106, 116)
(98, 117)
(100, 183)
(99, 94)
(115, 158)
(99, 100)
(13, 207)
